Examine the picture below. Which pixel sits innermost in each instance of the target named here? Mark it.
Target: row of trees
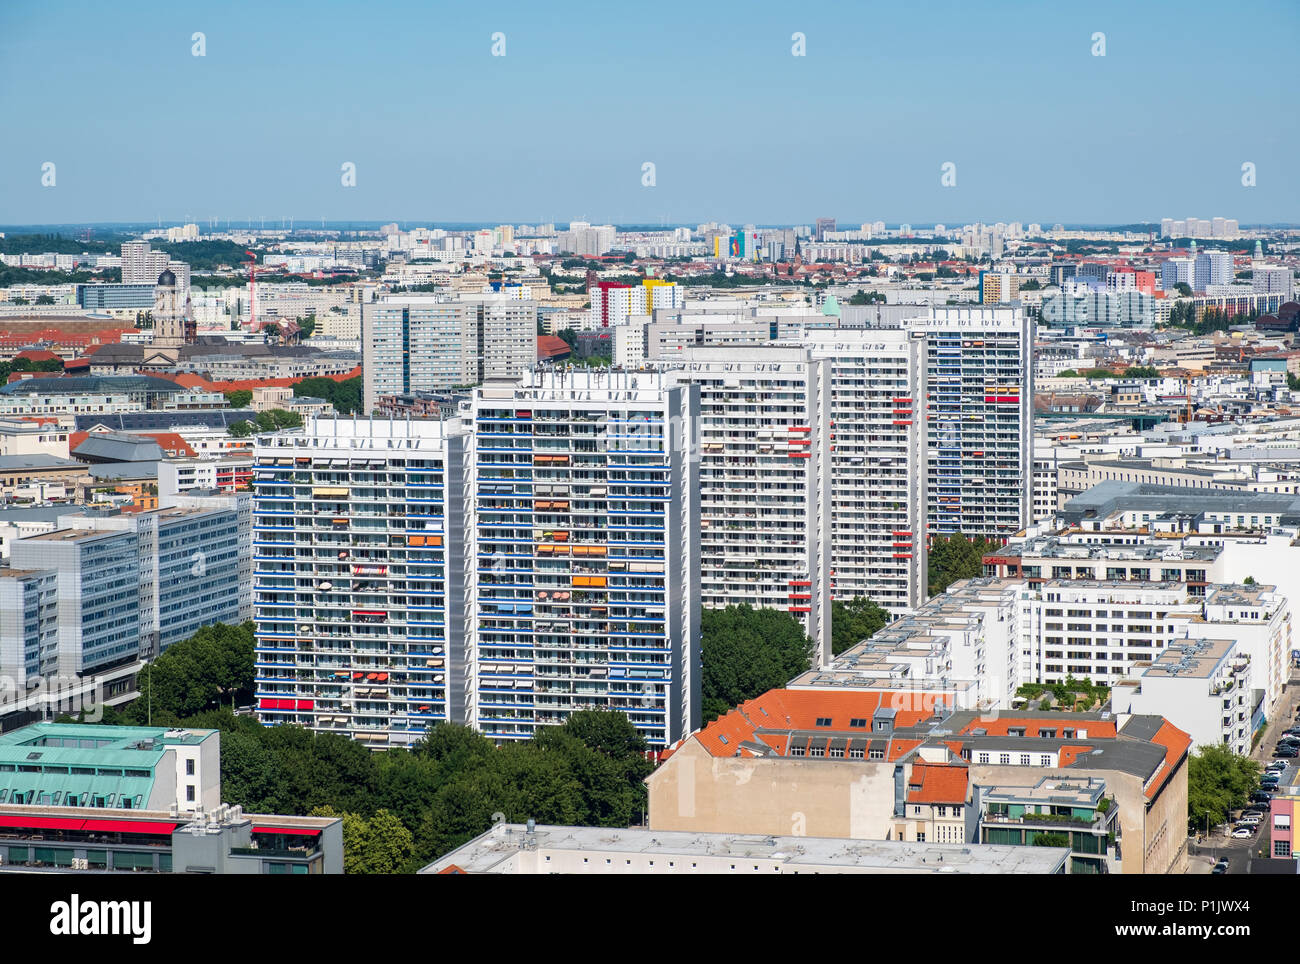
(344, 395)
(401, 809)
(1133, 371)
(27, 365)
(271, 420)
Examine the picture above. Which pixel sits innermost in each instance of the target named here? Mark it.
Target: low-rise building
(525, 849)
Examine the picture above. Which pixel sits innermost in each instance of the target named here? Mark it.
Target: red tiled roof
(784, 710)
(1176, 744)
(551, 346)
(937, 783)
(171, 443)
(197, 382)
(38, 354)
(999, 726)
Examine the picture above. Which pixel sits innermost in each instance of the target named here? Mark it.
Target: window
(797, 751)
(823, 721)
(189, 793)
(1004, 759)
(1024, 759)
(189, 768)
(920, 836)
(984, 758)
(943, 811)
(1281, 848)
(855, 753)
(858, 723)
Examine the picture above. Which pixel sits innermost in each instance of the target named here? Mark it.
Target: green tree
(344, 395)
(239, 398)
(1218, 781)
(239, 429)
(853, 621)
(1145, 371)
(1051, 839)
(45, 299)
(1068, 373)
(387, 845)
(1184, 289)
(746, 652)
(212, 667)
(958, 557)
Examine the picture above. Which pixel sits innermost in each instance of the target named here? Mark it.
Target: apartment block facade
(585, 581)
(877, 446)
(359, 577)
(765, 494)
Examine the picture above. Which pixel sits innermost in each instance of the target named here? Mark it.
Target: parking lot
(1222, 845)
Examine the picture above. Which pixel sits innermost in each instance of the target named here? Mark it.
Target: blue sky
(738, 129)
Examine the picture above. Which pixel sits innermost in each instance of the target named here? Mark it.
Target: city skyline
(1017, 98)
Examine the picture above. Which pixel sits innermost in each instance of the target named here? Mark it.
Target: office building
(1272, 279)
(114, 767)
(426, 344)
(586, 517)
(1176, 271)
(359, 577)
(1212, 268)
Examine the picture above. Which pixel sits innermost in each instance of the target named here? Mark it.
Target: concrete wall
(799, 797)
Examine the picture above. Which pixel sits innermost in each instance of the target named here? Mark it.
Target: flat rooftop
(493, 852)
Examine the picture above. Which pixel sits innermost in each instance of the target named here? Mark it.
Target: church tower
(168, 325)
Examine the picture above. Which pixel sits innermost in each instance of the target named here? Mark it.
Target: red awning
(130, 826)
(295, 831)
(42, 823)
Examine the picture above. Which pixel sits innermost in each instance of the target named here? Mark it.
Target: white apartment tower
(979, 419)
(877, 439)
(360, 577)
(765, 474)
(585, 581)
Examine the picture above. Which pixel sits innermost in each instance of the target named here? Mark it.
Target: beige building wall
(694, 790)
(799, 797)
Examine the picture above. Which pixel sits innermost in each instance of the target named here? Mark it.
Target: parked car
(1250, 821)
(1220, 868)
(1243, 833)
(1253, 813)
(1261, 796)
(1286, 751)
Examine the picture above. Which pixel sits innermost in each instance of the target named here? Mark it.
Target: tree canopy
(958, 557)
(854, 620)
(1218, 781)
(345, 396)
(401, 808)
(747, 652)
